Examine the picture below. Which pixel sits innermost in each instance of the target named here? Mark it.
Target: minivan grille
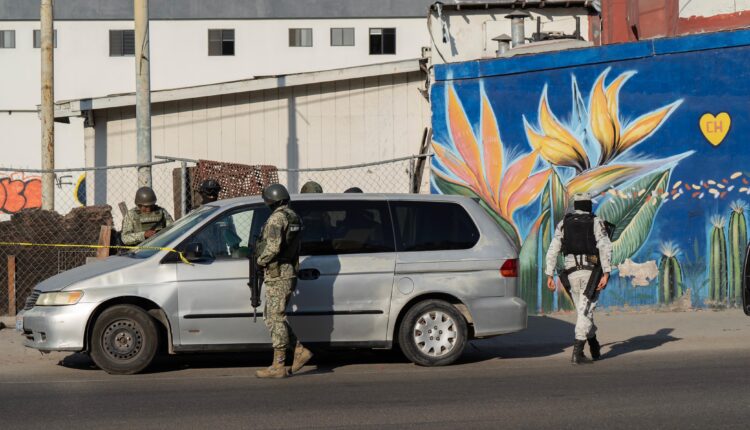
(31, 300)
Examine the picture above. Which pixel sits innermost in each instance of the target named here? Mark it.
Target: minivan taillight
(509, 269)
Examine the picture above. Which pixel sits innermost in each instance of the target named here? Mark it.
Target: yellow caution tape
(69, 245)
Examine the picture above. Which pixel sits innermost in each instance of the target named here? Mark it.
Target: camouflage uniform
(585, 327)
(136, 223)
(280, 278)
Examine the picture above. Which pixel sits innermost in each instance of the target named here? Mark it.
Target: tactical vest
(293, 238)
(154, 220)
(578, 234)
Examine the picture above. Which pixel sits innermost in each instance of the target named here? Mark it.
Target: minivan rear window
(344, 227)
(433, 226)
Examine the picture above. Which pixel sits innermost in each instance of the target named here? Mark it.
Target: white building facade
(192, 43)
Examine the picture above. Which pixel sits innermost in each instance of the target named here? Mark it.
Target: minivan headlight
(60, 298)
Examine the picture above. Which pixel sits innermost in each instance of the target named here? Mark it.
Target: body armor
(154, 220)
(578, 234)
(291, 248)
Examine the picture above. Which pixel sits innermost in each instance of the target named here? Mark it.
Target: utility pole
(142, 91)
(48, 104)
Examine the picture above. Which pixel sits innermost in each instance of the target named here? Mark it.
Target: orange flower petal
(642, 127)
(601, 122)
(514, 177)
(612, 94)
(493, 149)
(552, 128)
(554, 151)
(447, 178)
(463, 137)
(454, 164)
(528, 191)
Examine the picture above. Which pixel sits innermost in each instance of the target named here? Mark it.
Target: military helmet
(145, 196)
(354, 190)
(210, 187)
(274, 194)
(311, 187)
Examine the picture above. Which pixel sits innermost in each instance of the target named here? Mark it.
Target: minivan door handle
(308, 274)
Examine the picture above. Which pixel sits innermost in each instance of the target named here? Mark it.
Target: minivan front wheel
(124, 340)
(433, 333)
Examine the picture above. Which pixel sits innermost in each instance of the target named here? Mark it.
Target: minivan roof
(345, 196)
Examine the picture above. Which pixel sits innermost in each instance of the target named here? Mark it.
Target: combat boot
(277, 369)
(578, 356)
(301, 356)
(595, 348)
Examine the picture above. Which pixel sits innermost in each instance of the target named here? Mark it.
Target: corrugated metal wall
(320, 125)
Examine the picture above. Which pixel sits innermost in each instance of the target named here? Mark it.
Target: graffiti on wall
(585, 132)
(18, 192)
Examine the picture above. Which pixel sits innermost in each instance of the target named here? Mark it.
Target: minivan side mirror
(194, 252)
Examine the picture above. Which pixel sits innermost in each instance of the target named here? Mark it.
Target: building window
(300, 37)
(121, 43)
(382, 41)
(342, 37)
(220, 42)
(7, 38)
(38, 38)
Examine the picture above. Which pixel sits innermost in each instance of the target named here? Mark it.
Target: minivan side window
(229, 236)
(433, 226)
(344, 227)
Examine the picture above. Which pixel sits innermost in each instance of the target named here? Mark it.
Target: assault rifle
(256, 279)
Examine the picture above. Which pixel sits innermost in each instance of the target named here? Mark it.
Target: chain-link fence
(88, 199)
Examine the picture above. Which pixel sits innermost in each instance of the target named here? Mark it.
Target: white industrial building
(193, 42)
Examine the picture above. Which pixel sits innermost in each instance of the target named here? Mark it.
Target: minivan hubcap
(435, 333)
(123, 339)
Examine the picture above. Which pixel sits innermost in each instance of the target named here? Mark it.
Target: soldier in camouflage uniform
(599, 251)
(145, 220)
(278, 254)
(311, 187)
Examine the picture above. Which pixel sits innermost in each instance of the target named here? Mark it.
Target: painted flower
(615, 136)
(554, 142)
(479, 164)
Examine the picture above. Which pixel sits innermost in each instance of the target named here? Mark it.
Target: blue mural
(652, 129)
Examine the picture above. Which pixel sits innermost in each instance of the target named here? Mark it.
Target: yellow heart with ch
(715, 128)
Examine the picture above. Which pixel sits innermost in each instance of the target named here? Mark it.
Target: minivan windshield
(169, 234)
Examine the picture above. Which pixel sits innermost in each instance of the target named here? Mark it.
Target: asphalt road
(674, 375)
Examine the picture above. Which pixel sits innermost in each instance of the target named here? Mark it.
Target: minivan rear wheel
(433, 333)
(124, 340)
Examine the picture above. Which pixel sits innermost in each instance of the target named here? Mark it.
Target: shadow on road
(544, 337)
(640, 343)
(324, 361)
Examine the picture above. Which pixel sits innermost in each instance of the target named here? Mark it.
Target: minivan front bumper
(56, 328)
(498, 315)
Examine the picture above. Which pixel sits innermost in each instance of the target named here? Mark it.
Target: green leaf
(446, 187)
(634, 217)
(529, 263)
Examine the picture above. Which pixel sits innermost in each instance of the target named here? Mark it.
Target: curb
(7, 322)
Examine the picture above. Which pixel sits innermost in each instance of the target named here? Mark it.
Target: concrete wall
(471, 31)
(690, 8)
(656, 133)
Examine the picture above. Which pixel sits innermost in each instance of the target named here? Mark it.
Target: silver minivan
(424, 272)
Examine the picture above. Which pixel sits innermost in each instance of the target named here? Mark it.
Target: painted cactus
(670, 273)
(717, 265)
(737, 246)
